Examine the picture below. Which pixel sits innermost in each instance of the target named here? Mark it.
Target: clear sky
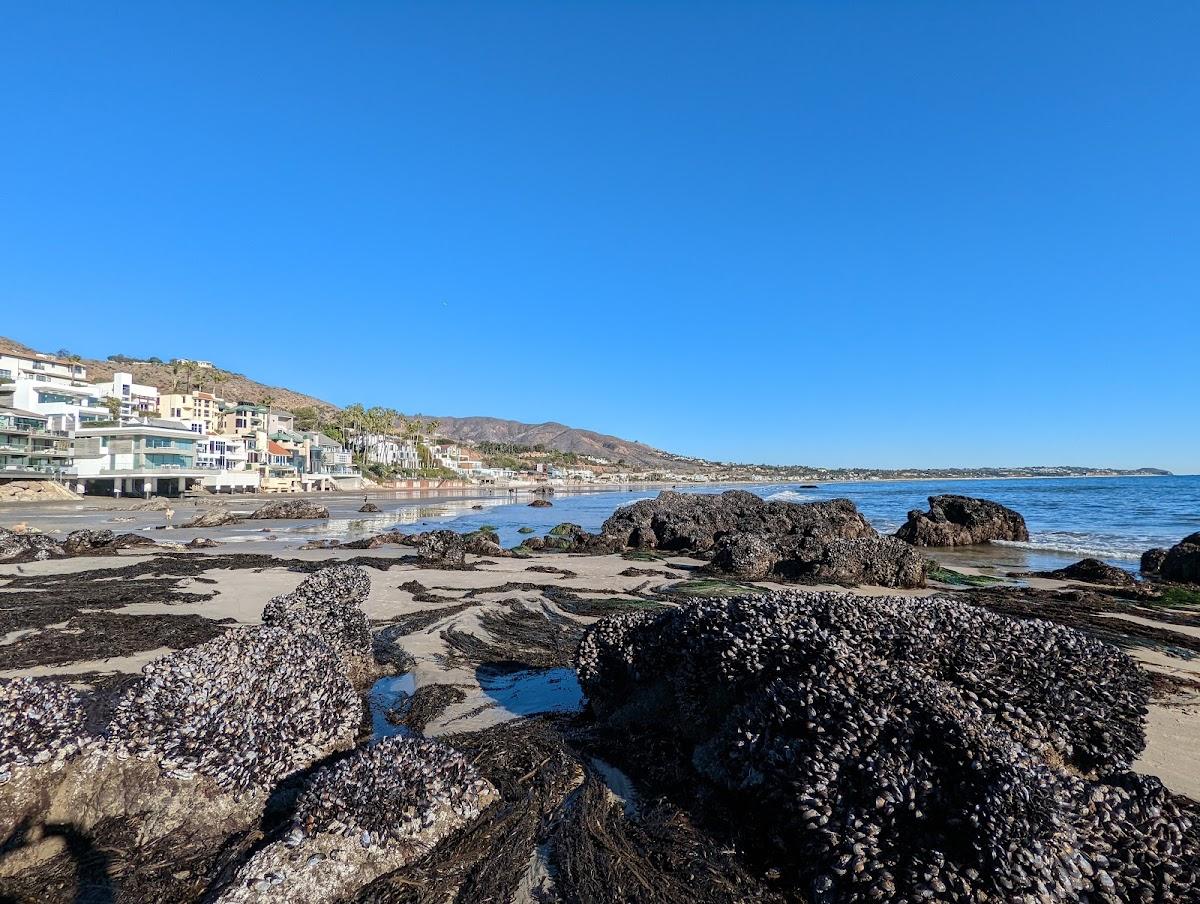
(839, 233)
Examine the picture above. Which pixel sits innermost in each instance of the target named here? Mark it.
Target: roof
(274, 448)
(20, 412)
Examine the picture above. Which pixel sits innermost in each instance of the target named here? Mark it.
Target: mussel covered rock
(890, 749)
(962, 521)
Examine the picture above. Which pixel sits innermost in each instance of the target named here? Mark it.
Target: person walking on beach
(168, 513)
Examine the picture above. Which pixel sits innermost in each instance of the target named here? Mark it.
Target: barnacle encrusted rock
(962, 521)
(890, 749)
(28, 547)
(41, 727)
(364, 815)
(244, 709)
(40, 722)
(328, 604)
(292, 508)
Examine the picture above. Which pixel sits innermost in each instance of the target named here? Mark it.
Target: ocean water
(1111, 518)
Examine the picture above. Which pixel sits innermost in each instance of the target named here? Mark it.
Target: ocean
(1111, 518)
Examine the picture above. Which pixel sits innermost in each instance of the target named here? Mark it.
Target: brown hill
(224, 383)
(557, 436)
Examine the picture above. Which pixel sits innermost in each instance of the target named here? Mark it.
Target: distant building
(42, 369)
(138, 400)
(202, 411)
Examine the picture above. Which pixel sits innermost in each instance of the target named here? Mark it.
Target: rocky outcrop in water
(541, 503)
(962, 521)
(890, 749)
(367, 814)
(1091, 571)
(298, 509)
(370, 507)
(218, 518)
(694, 522)
(328, 605)
(1179, 563)
(750, 538)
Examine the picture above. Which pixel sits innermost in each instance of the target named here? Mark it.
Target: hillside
(562, 438)
(224, 383)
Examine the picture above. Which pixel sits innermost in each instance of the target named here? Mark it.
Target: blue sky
(872, 233)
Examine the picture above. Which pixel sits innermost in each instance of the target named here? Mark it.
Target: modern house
(139, 459)
(65, 406)
(138, 400)
(29, 448)
(42, 369)
(244, 418)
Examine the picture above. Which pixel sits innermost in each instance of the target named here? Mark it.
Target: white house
(42, 369)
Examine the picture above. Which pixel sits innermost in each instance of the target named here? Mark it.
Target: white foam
(790, 496)
(1085, 549)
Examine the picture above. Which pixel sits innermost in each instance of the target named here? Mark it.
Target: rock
(485, 542)
(1152, 560)
(541, 503)
(206, 543)
(877, 561)
(370, 813)
(534, 543)
(1182, 561)
(298, 509)
(477, 508)
(1092, 571)
(245, 709)
(387, 538)
(694, 522)
(85, 542)
(526, 530)
(41, 721)
(442, 548)
(369, 507)
(962, 521)
(328, 605)
(219, 518)
(28, 547)
(896, 749)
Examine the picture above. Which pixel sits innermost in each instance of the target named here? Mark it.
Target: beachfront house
(147, 457)
(29, 448)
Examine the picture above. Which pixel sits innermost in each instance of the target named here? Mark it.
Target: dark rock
(369, 507)
(962, 521)
(534, 543)
(1092, 571)
(1182, 561)
(206, 543)
(526, 530)
(216, 518)
(541, 503)
(694, 522)
(477, 508)
(28, 547)
(85, 542)
(132, 541)
(443, 548)
(892, 749)
(1152, 560)
(299, 509)
(387, 538)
